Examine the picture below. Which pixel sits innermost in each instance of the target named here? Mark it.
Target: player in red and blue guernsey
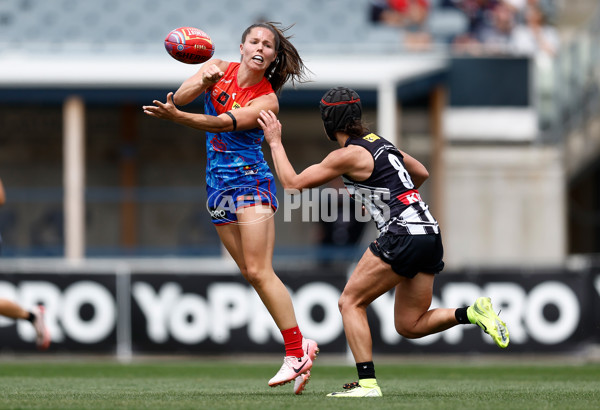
(235, 158)
(240, 185)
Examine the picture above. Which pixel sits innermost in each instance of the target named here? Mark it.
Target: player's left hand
(165, 111)
(271, 126)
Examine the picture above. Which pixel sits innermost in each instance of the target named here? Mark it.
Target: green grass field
(212, 384)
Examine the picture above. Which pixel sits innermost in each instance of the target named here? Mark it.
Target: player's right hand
(212, 74)
(271, 126)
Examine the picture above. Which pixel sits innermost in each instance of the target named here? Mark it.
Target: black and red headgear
(339, 106)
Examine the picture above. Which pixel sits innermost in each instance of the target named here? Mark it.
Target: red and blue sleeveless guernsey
(234, 158)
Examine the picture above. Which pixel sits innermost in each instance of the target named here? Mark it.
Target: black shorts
(410, 254)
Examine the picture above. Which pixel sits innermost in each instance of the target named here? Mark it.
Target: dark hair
(356, 129)
(288, 65)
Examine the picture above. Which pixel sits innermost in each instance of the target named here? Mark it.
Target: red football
(189, 45)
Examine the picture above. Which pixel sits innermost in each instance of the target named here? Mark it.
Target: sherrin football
(189, 45)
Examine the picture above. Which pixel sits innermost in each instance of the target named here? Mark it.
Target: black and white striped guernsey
(389, 193)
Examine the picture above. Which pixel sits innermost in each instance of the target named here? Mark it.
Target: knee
(259, 276)
(252, 275)
(346, 303)
(244, 271)
(341, 302)
(405, 330)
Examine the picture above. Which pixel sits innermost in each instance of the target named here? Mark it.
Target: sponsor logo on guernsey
(409, 197)
(235, 106)
(217, 213)
(371, 137)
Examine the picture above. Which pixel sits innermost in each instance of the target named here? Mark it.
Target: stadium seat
(112, 26)
(445, 24)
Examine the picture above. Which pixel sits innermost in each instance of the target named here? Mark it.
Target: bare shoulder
(359, 162)
(351, 152)
(357, 152)
(352, 160)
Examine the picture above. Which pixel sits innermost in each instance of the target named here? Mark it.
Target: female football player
(240, 186)
(12, 310)
(408, 252)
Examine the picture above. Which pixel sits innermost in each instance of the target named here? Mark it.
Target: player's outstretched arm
(240, 119)
(334, 165)
(168, 111)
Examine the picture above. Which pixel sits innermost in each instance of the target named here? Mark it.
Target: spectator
(481, 22)
(497, 36)
(516, 5)
(507, 26)
(400, 13)
(536, 35)
(408, 15)
(479, 14)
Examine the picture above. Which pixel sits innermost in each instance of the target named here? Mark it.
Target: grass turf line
(223, 385)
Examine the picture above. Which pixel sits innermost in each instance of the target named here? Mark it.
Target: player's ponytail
(356, 128)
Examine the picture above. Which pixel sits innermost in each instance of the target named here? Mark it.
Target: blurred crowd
(493, 26)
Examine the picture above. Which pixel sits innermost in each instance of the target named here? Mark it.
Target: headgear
(339, 106)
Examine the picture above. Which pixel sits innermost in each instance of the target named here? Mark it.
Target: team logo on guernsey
(222, 98)
(371, 137)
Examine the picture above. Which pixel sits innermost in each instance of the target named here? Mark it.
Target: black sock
(461, 315)
(31, 317)
(366, 370)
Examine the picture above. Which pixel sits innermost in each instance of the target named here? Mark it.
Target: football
(189, 45)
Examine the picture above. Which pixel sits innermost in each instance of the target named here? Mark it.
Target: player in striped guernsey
(389, 194)
(408, 252)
